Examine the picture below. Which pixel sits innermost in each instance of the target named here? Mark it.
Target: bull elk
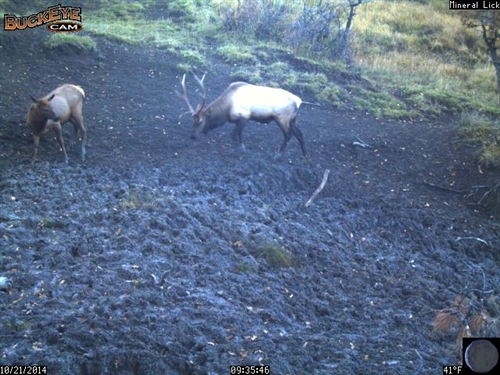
(242, 102)
(55, 109)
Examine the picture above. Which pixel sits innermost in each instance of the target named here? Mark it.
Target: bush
(318, 30)
(183, 9)
(479, 130)
(312, 29)
(262, 19)
(490, 157)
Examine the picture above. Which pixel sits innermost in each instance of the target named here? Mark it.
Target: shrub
(479, 130)
(315, 29)
(318, 30)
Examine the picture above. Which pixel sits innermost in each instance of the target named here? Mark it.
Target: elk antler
(202, 86)
(183, 95)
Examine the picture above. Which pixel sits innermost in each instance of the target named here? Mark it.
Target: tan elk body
(242, 102)
(55, 109)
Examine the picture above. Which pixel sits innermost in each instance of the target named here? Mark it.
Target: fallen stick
(494, 189)
(473, 238)
(361, 143)
(318, 190)
(443, 188)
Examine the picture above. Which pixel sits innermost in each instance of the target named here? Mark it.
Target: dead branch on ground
(361, 143)
(444, 188)
(473, 238)
(494, 189)
(318, 190)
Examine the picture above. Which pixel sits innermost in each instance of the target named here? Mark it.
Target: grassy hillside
(424, 55)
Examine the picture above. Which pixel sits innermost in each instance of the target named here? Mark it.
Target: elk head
(200, 113)
(40, 112)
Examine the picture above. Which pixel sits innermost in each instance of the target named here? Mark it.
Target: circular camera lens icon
(481, 356)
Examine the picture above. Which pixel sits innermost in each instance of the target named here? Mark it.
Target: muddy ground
(160, 255)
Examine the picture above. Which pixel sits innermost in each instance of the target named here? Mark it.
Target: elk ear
(52, 97)
(34, 100)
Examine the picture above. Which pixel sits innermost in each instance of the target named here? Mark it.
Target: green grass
(237, 54)
(82, 42)
(136, 31)
(246, 74)
(125, 11)
(275, 255)
(490, 154)
(138, 200)
(194, 59)
(51, 223)
(484, 133)
(475, 127)
(176, 36)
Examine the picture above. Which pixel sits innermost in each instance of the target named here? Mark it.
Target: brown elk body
(55, 109)
(242, 102)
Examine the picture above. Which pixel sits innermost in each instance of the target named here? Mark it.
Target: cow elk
(55, 109)
(242, 102)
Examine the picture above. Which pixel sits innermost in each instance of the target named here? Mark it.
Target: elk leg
(287, 134)
(36, 141)
(80, 128)
(238, 134)
(75, 129)
(300, 137)
(58, 130)
(84, 142)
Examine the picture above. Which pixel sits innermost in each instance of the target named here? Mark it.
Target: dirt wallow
(163, 256)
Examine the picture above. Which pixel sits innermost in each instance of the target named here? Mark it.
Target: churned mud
(160, 255)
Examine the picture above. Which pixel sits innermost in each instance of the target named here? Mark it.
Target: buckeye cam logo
(58, 18)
